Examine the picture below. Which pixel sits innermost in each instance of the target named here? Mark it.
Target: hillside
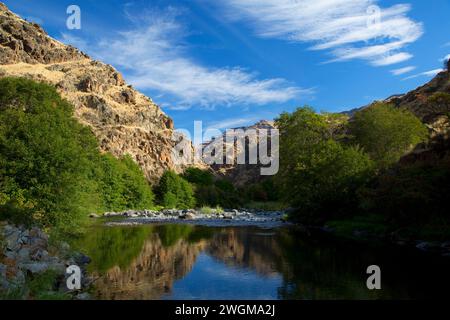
(124, 120)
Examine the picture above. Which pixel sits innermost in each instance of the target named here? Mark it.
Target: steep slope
(430, 102)
(124, 120)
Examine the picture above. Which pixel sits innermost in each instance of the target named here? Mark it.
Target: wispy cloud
(154, 56)
(232, 123)
(430, 73)
(398, 72)
(349, 29)
(446, 58)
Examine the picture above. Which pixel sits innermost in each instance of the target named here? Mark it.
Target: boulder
(188, 216)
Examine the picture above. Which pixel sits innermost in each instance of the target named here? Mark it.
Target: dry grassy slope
(124, 120)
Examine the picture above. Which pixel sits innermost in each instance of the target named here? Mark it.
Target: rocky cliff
(239, 174)
(124, 120)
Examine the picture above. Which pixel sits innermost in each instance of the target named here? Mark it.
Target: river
(179, 261)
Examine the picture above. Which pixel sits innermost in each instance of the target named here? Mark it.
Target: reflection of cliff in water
(153, 258)
(152, 273)
(257, 250)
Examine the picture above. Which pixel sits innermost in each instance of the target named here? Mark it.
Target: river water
(177, 261)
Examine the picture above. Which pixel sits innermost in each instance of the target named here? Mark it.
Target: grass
(209, 210)
(265, 206)
(43, 286)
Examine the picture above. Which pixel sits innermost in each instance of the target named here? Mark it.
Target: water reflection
(189, 262)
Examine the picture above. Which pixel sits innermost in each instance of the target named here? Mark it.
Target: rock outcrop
(27, 253)
(240, 174)
(430, 102)
(123, 120)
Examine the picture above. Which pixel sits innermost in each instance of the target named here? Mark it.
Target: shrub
(386, 133)
(123, 185)
(175, 192)
(198, 176)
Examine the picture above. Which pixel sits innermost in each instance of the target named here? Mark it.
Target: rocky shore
(32, 268)
(210, 217)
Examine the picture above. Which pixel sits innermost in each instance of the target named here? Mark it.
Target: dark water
(189, 262)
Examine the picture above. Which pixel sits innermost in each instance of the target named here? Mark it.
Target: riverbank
(364, 230)
(34, 267)
(370, 232)
(209, 217)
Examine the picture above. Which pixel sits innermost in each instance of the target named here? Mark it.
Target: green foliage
(43, 286)
(123, 185)
(209, 210)
(46, 156)
(265, 205)
(175, 192)
(264, 191)
(198, 176)
(386, 132)
(51, 171)
(317, 175)
(411, 195)
(210, 190)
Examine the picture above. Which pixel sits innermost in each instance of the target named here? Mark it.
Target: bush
(123, 185)
(210, 190)
(198, 176)
(175, 192)
(209, 210)
(386, 133)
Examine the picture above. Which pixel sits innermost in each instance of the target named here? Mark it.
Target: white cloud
(232, 123)
(430, 73)
(154, 57)
(398, 72)
(349, 29)
(446, 58)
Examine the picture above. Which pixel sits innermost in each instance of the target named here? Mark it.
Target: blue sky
(233, 62)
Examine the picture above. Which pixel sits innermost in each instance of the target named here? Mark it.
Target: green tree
(386, 132)
(51, 171)
(46, 157)
(123, 185)
(318, 175)
(175, 192)
(198, 176)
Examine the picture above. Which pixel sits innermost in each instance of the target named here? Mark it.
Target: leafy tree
(386, 132)
(199, 176)
(123, 185)
(317, 175)
(175, 192)
(51, 171)
(46, 157)
(210, 190)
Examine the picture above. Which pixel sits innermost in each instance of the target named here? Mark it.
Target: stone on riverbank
(24, 255)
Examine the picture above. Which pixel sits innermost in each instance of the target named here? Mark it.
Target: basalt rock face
(123, 120)
(245, 173)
